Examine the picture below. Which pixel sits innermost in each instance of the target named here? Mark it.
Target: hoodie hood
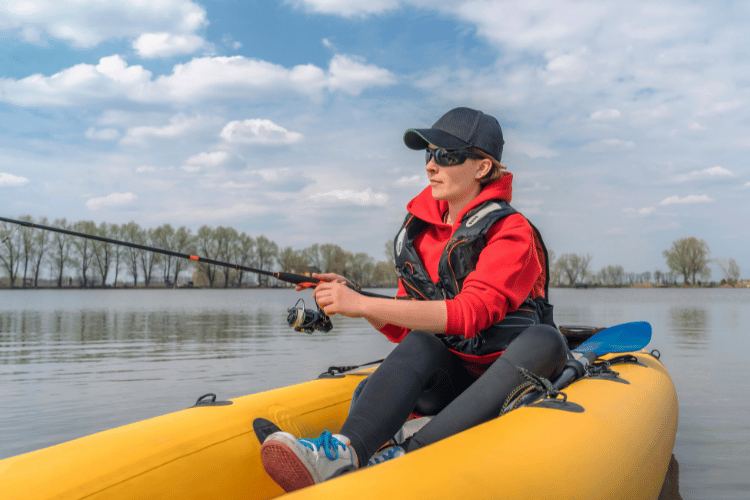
(430, 210)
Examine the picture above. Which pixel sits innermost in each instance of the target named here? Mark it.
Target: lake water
(75, 362)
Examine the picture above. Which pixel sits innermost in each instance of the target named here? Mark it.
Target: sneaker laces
(326, 442)
(385, 454)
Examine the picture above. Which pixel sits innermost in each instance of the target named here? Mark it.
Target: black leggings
(421, 374)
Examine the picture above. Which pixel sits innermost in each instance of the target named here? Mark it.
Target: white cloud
(178, 125)
(348, 8)
(707, 173)
(414, 180)
(102, 134)
(348, 197)
(203, 78)
(743, 143)
(353, 76)
(606, 114)
(111, 200)
(565, 68)
(86, 23)
(207, 159)
(534, 25)
(81, 84)
(10, 180)
(152, 45)
(693, 198)
(145, 168)
(258, 131)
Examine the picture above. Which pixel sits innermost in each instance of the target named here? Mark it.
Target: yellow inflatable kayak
(612, 439)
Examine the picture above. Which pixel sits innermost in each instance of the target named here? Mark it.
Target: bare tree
(208, 248)
(384, 275)
(312, 253)
(148, 260)
(163, 237)
(185, 243)
(266, 252)
(61, 244)
(390, 257)
(118, 251)
(292, 261)
(361, 268)
(573, 266)
(688, 257)
(83, 248)
(245, 254)
(226, 240)
(10, 254)
(334, 259)
(102, 253)
(133, 233)
(730, 269)
(611, 275)
(41, 239)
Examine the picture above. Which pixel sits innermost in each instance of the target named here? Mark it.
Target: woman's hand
(335, 297)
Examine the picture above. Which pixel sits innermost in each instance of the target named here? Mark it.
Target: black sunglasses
(449, 157)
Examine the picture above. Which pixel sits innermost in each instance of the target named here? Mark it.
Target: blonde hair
(497, 170)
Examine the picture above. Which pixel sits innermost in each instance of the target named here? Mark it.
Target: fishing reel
(308, 320)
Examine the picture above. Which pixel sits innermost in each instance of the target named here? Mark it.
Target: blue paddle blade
(626, 337)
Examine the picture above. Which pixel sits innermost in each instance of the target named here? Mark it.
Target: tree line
(28, 254)
(687, 258)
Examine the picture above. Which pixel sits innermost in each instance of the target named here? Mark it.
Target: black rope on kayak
(516, 396)
(533, 383)
(604, 366)
(338, 371)
(542, 384)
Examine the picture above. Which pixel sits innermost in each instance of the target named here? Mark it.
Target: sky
(626, 124)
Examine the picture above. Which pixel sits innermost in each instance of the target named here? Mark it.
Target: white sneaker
(297, 463)
(386, 454)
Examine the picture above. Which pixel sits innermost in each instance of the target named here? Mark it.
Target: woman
(477, 273)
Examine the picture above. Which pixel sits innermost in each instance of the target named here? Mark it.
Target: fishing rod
(302, 317)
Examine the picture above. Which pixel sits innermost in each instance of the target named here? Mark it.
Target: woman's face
(457, 184)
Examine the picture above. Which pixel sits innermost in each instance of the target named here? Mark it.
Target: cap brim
(421, 138)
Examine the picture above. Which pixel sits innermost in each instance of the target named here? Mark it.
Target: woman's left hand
(335, 297)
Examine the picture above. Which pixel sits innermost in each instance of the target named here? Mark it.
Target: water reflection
(691, 326)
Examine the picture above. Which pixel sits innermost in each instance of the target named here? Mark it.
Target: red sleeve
(506, 273)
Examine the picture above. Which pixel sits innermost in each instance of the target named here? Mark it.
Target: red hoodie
(508, 269)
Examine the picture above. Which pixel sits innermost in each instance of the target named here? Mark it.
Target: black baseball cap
(460, 128)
